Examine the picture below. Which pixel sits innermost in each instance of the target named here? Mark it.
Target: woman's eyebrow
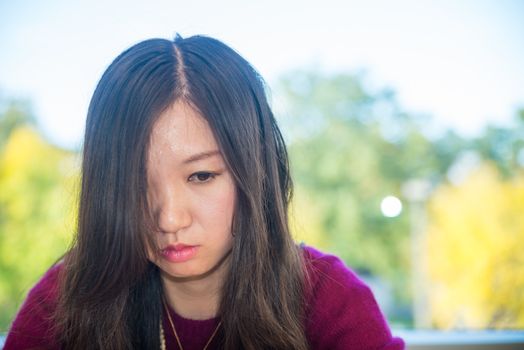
(201, 155)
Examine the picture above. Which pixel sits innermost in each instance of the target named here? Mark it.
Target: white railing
(462, 340)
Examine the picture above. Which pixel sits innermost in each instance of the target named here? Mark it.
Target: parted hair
(110, 293)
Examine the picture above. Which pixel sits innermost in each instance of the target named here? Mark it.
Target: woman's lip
(178, 252)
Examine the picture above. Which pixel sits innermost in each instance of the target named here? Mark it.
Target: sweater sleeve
(33, 326)
(342, 311)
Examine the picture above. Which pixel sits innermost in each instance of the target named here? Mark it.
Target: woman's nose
(174, 215)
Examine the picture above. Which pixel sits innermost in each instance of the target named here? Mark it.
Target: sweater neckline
(183, 320)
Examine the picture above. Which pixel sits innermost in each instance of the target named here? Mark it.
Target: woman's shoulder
(324, 269)
(33, 325)
(49, 280)
(341, 310)
(44, 294)
(317, 261)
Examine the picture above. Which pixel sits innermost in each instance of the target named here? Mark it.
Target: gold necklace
(162, 337)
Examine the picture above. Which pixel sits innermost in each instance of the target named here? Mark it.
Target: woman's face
(191, 194)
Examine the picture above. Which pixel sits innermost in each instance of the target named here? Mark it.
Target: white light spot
(391, 206)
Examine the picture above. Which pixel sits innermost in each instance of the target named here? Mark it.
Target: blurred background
(404, 121)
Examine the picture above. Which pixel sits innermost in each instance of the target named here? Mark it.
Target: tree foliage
(351, 146)
(37, 211)
(14, 113)
(475, 244)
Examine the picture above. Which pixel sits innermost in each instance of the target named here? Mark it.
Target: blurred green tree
(37, 207)
(350, 148)
(475, 245)
(14, 113)
(503, 146)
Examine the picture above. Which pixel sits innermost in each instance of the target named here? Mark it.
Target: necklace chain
(179, 343)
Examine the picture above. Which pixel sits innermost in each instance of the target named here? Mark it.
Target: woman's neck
(196, 298)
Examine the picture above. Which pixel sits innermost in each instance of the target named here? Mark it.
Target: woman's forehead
(181, 132)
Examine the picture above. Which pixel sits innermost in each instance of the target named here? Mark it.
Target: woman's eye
(201, 177)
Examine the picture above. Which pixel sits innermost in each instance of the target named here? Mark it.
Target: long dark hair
(110, 293)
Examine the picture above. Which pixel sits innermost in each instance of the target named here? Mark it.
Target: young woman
(183, 238)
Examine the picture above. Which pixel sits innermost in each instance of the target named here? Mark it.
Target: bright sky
(461, 61)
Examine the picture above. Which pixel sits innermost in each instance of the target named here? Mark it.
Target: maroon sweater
(342, 314)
